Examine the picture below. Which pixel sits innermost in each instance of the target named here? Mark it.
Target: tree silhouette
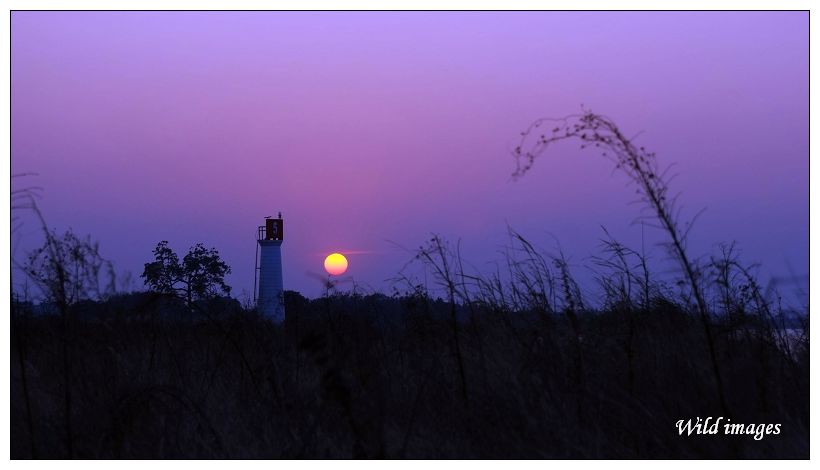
(200, 275)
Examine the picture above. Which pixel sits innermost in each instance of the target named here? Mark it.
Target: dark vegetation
(200, 275)
(516, 364)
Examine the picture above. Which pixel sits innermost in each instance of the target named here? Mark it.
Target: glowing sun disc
(335, 264)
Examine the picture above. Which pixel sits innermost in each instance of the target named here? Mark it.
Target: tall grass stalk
(653, 184)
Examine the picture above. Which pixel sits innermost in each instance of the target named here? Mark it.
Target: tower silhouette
(270, 301)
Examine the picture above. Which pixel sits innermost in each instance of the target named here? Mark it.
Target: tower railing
(260, 235)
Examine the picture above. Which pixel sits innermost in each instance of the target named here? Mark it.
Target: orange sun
(335, 264)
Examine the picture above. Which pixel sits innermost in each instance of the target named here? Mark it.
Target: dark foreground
(380, 377)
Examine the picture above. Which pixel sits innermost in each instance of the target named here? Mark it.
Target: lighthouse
(270, 301)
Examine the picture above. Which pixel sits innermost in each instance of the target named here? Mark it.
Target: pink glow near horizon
(372, 130)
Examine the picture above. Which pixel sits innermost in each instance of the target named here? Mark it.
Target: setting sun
(335, 264)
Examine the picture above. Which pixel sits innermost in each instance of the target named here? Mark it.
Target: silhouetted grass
(152, 379)
(513, 364)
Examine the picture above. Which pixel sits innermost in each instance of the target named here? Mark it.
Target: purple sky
(371, 128)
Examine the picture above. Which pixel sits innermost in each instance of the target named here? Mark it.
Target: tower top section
(272, 230)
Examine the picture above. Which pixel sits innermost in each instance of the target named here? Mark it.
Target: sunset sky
(369, 131)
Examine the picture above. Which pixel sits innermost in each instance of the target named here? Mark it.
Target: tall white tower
(270, 302)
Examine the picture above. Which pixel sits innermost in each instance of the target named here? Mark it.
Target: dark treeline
(376, 376)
